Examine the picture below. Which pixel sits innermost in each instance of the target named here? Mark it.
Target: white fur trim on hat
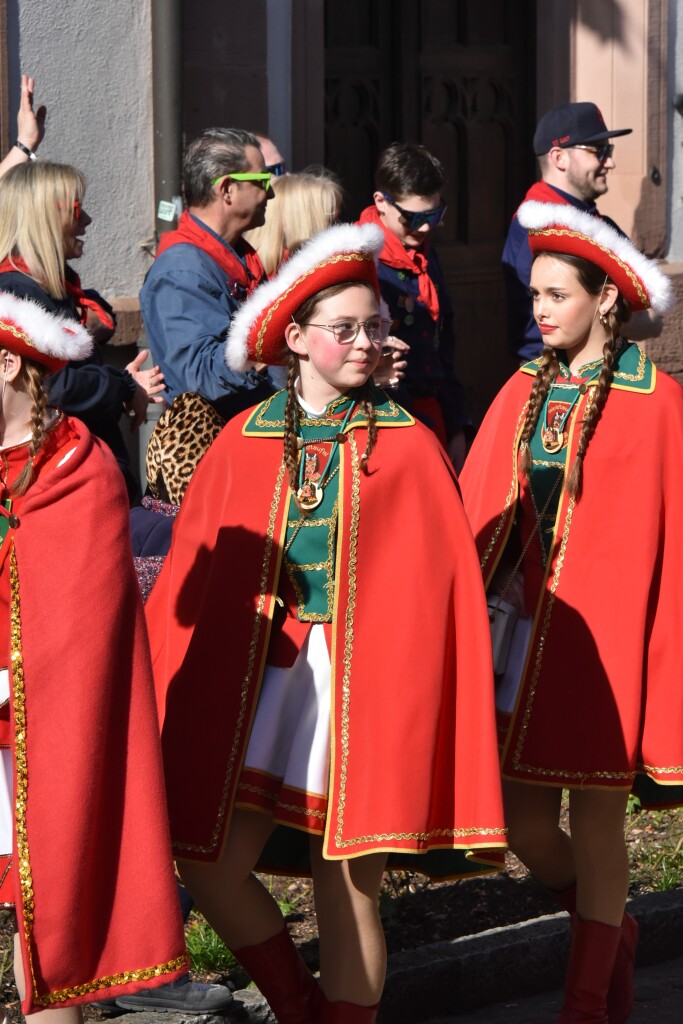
(367, 238)
(535, 216)
(51, 333)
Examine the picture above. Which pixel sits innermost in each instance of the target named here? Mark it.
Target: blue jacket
(432, 344)
(187, 304)
(88, 389)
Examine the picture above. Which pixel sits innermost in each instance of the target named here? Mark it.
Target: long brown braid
(368, 410)
(291, 416)
(592, 415)
(545, 375)
(33, 380)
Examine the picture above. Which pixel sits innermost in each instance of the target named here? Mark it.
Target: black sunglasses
(603, 151)
(416, 218)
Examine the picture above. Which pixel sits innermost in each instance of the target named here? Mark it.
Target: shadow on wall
(605, 19)
(649, 227)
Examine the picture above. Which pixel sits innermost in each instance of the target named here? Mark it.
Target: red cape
(601, 694)
(413, 754)
(97, 905)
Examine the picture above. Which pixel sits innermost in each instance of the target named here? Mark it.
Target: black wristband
(24, 149)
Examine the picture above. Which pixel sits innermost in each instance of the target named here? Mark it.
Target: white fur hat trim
(535, 216)
(366, 238)
(51, 333)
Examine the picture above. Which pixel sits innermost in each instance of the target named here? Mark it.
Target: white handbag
(503, 618)
(502, 615)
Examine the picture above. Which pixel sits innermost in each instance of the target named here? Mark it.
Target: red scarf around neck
(413, 261)
(192, 233)
(72, 282)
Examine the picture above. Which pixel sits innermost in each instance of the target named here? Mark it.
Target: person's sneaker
(188, 996)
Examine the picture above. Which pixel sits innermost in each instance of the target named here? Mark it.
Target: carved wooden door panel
(458, 76)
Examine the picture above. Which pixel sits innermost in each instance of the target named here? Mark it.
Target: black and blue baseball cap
(572, 124)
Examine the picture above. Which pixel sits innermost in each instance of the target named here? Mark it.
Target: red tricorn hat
(343, 253)
(49, 339)
(566, 229)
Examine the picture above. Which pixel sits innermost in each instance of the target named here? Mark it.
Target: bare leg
(597, 824)
(249, 921)
(599, 980)
(532, 816)
(63, 1015)
(226, 891)
(353, 954)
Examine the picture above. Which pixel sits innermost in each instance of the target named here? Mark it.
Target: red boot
(347, 1013)
(276, 966)
(591, 963)
(620, 994)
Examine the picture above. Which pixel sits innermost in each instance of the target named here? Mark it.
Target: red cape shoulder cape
(601, 694)
(413, 758)
(97, 905)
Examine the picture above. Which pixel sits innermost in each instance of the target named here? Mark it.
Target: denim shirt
(187, 303)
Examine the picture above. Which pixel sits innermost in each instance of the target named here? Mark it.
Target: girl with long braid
(80, 775)
(573, 492)
(341, 723)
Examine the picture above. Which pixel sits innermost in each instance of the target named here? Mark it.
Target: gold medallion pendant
(552, 439)
(309, 495)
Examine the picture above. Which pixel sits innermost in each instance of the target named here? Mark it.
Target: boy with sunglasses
(575, 155)
(408, 205)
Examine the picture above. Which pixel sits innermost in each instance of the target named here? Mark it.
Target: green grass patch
(208, 953)
(655, 846)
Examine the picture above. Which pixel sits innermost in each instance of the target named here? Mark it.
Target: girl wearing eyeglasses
(339, 727)
(408, 206)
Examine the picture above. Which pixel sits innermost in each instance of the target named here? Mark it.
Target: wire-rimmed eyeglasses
(345, 331)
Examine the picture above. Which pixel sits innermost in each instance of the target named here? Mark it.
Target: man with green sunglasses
(262, 180)
(205, 269)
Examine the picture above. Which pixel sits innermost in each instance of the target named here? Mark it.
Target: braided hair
(291, 450)
(291, 416)
(545, 375)
(593, 279)
(32, 378)
(368, 410)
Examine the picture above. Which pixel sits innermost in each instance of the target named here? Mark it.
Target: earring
(603, 319)
(4, 382)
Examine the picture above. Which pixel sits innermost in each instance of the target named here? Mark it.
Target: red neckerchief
(72, 283)
(414, 261)
(191, 233)
(85, 302)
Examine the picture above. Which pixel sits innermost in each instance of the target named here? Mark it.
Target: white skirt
(286, 766)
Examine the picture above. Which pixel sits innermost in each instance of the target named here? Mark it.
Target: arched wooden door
(458, 76)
